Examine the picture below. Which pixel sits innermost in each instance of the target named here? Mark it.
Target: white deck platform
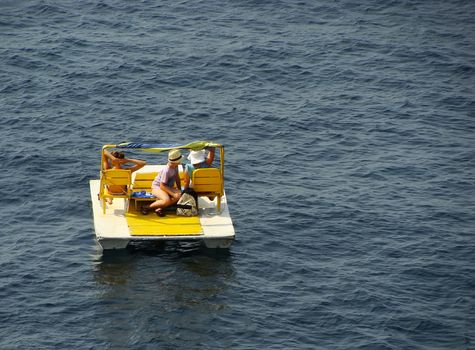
(112, 230)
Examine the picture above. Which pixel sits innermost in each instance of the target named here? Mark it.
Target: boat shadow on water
(160, 292)
(118, 267)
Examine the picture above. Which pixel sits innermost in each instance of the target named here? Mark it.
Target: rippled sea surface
(349, 129)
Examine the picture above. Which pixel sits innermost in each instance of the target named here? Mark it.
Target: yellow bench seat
(206, 182)
(143, 182)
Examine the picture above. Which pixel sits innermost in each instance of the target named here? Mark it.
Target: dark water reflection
(160, 293)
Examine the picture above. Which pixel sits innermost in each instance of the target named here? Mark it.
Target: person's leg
(163, 199)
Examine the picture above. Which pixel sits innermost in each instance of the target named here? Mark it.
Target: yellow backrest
(143, 181)
(207, 180)
(115, 177)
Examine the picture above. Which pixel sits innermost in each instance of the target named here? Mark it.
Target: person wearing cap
(198, 159)
(163, 184)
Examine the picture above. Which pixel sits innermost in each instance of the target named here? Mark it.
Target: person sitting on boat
(117, 160)
(163, 184)
(198, 159)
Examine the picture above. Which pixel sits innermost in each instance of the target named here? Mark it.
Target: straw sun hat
(174, 156)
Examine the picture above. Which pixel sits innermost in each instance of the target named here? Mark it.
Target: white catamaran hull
(112, 230)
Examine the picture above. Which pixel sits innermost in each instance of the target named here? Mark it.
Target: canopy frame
(158, 148)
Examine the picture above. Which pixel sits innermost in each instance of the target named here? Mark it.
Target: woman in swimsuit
(117, 160)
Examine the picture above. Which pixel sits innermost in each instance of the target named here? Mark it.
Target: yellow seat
(114, 177)
(208, 182)
(143, 181)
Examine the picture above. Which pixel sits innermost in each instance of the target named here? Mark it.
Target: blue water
(350, 172)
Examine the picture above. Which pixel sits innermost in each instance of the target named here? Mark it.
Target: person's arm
(164, 179)
(172, 192)
(186, 178)
(108, 154)
(165, 188)
(178, 181)
(210, 158)
(138, 163)
(109, 160)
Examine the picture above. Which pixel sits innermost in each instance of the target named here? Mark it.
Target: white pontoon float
(119, 223)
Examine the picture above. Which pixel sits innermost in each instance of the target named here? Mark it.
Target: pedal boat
(122, 222)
